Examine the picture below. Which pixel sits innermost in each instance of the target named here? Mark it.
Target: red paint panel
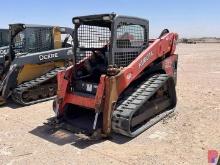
(80, 100)
(157, 49)
(100, 93)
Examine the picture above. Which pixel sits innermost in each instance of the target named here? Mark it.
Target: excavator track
(146, 105)
(37, 90)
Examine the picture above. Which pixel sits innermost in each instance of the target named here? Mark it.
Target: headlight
(106, 18)
(76, 21)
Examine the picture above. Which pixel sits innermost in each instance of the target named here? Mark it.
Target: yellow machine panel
(32, 71)
(57, 38)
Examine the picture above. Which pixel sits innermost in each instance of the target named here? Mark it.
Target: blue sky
(189, 18)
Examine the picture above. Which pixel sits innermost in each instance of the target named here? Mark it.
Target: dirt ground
(183, 138)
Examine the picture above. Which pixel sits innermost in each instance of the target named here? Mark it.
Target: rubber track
(123, 114)
(20, 89)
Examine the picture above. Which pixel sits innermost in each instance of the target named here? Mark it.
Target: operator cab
(27, 38)
(104, 41)
(92, 46)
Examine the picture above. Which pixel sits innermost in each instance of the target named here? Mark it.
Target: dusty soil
(183, 138)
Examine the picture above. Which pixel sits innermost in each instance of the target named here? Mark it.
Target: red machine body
(157, 58)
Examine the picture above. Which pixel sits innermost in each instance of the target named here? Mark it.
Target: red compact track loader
(120, 81)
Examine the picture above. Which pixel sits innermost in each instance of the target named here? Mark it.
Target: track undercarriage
(40, 89)
(155, 97)
(137, 109)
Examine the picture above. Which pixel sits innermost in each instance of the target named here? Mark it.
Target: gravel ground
(183, 138)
